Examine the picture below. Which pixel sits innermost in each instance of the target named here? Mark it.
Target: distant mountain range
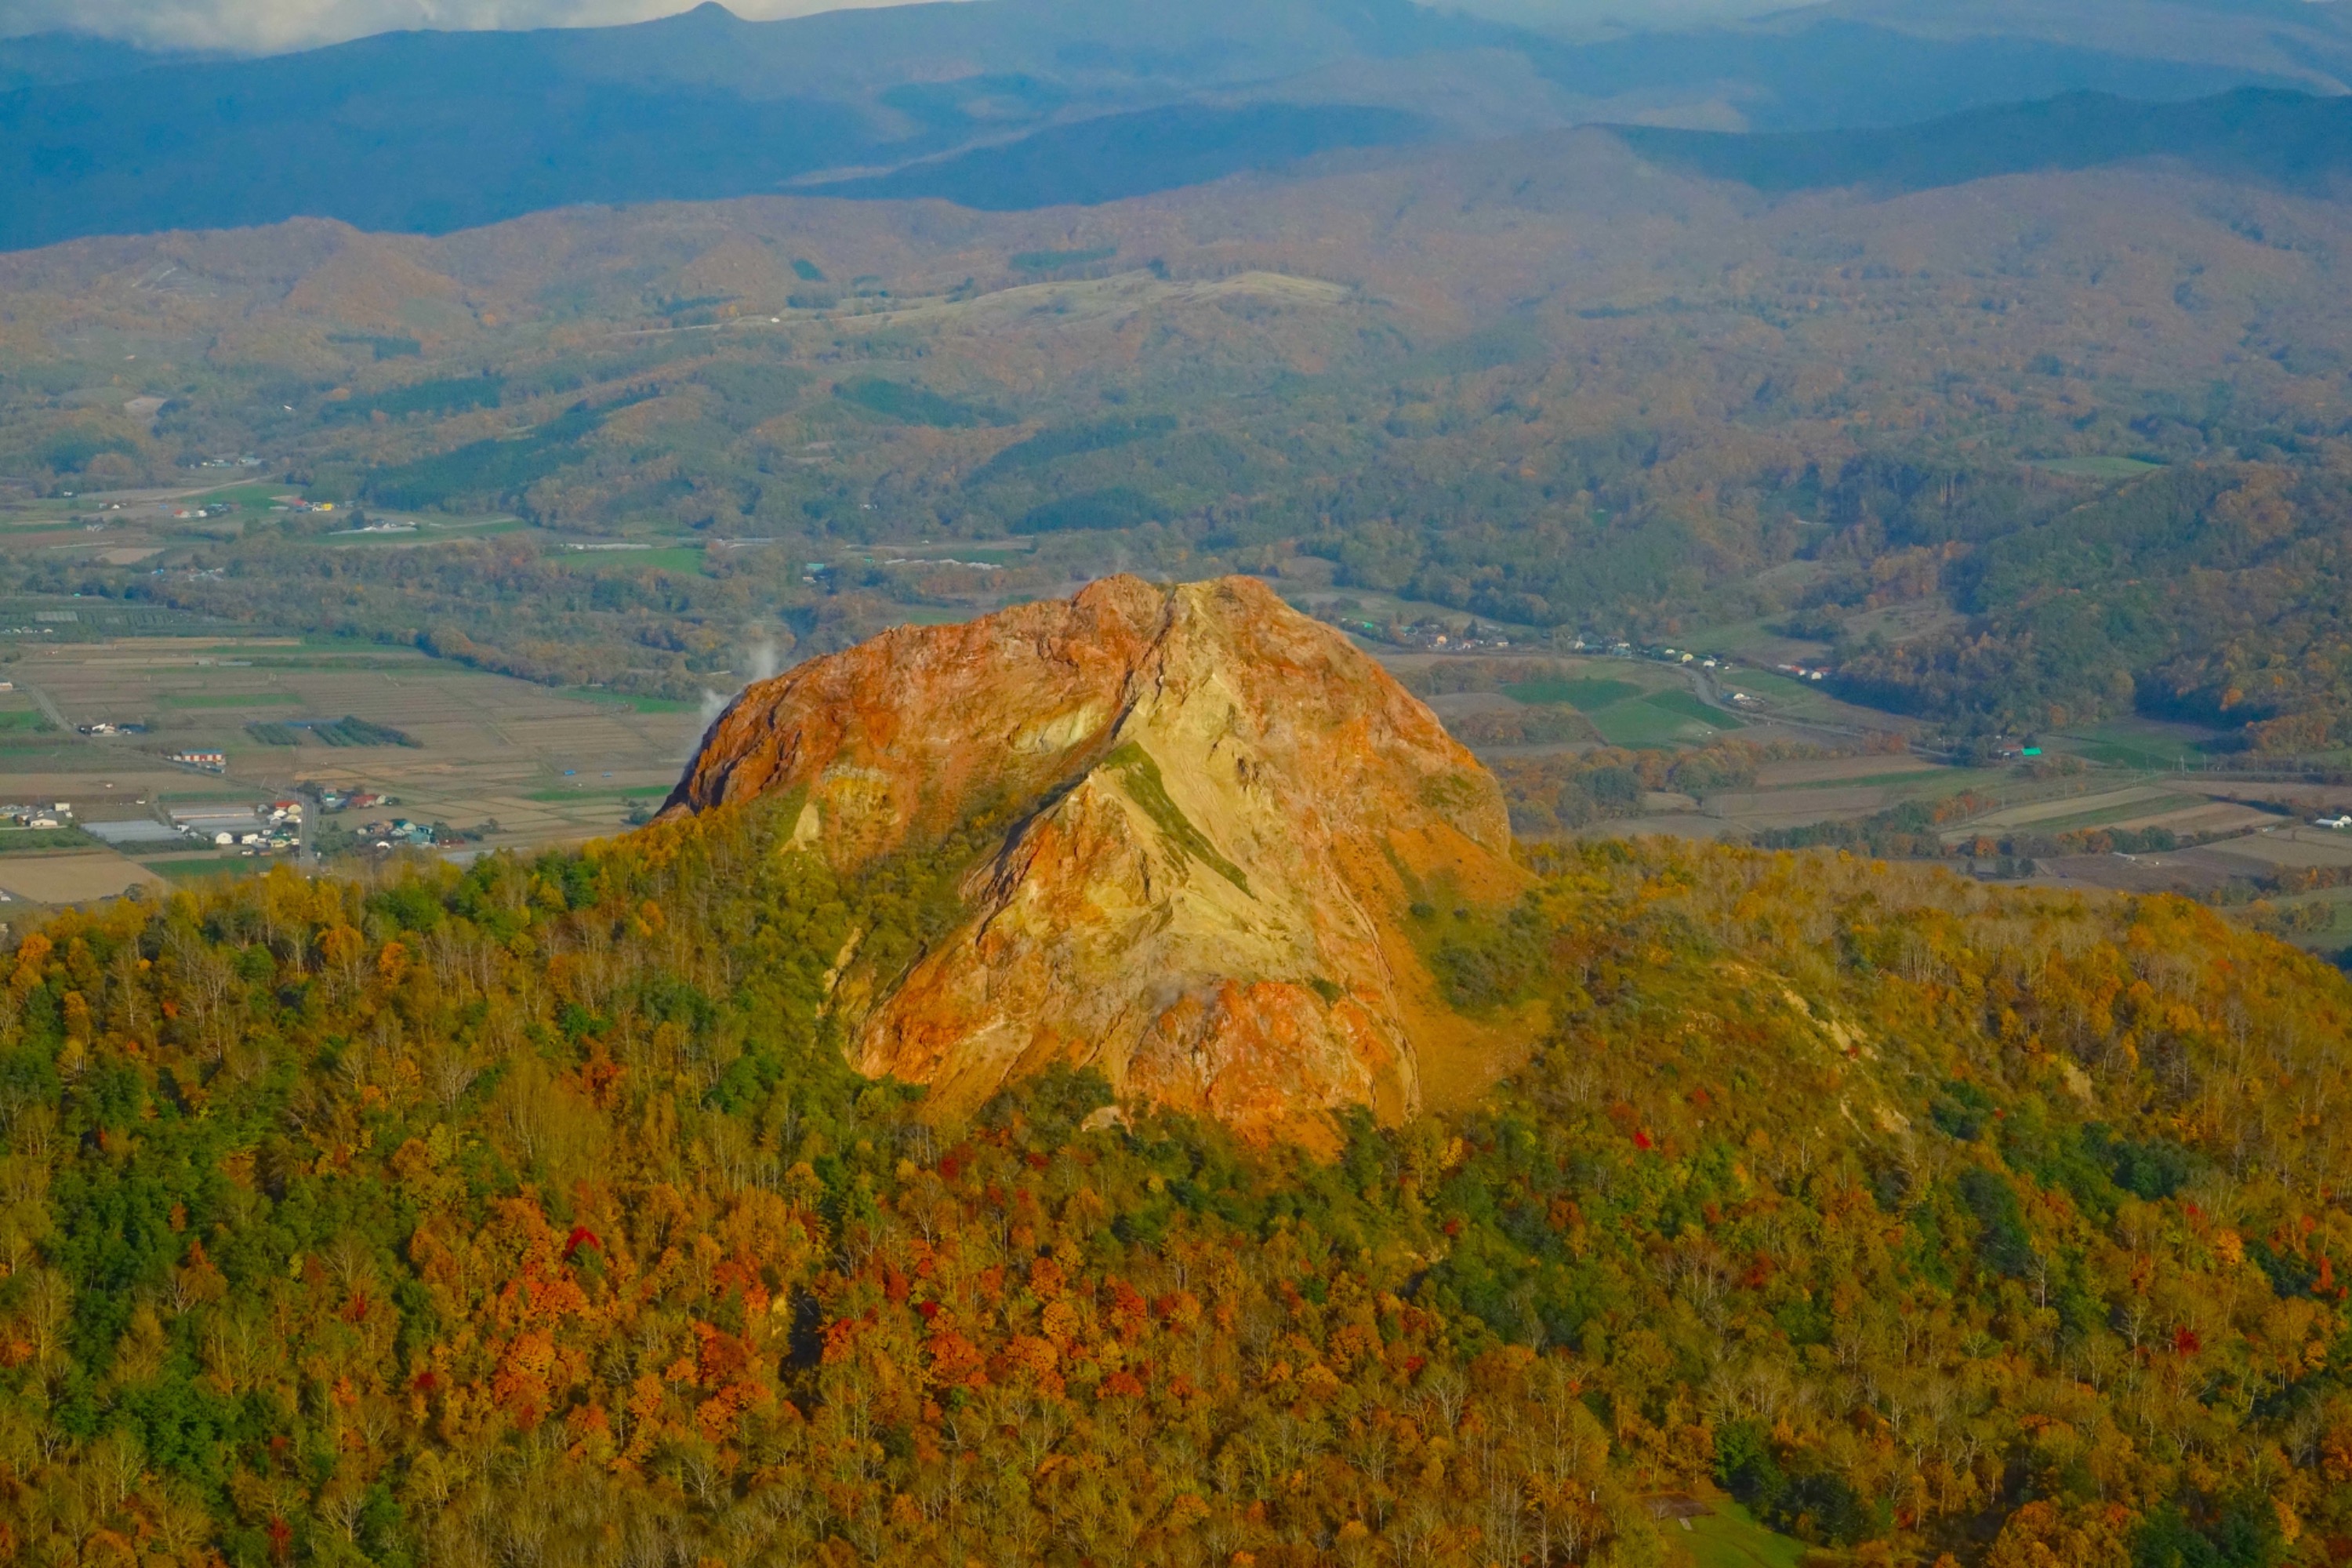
(2285, 139)
(53, 59)
(1016, 103)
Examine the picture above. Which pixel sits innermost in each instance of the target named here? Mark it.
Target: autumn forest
(528, 1214)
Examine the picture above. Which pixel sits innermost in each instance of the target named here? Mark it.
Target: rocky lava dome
(1223, 810)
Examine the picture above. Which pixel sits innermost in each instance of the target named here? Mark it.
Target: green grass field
(1627, 713)
(1585, 696)
(1690, 707)
(189, 868)
(247, 497)
(641, 704)
(1769, 687)
(2128, 745)
(678, 558)
(23, 721)
(1660, 719)
(640, 793)
(1730, 1538)
(230, 699)
(1638, 723)
(31, 840)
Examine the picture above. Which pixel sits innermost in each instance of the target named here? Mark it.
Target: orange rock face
(1225, 810)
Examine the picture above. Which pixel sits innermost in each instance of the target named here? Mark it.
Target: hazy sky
(291, 24)
(266, 25)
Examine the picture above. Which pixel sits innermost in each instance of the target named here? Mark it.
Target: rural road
(48, 707)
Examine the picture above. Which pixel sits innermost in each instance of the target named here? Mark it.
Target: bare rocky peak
(1223, 810)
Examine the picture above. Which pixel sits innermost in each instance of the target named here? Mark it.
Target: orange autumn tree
(528, 1214)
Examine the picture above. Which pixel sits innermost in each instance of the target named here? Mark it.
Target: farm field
(1866, 770)
(71, 876)
(2187, 808)
(1784, 708)
(1632, 703)
(20, 713)
(1793, 807)
(2248, 857)
(663, 557)
(2136, 743)
(1846, 789)
(1784, 694)
(1585, 693)
(2203, 819)
(1841, 789)
(544, 765)
(397, 530)
(2290, 849)
(1642, 722)
(197, 868)
(2086, 806)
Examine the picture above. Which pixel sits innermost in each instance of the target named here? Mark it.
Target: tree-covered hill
(528, 1214)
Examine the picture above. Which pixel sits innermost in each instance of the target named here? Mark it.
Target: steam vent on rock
(1218, 814)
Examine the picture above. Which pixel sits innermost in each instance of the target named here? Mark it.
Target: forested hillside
(2214, 593)
(2088, 427)
(527, 1213)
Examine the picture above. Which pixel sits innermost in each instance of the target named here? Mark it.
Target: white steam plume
(764, 659)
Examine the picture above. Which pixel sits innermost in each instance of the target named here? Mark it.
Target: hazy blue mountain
(1834, 73)
(50, 59)
(2286, 139)
(1122, 155)
(993, 103)
(2306, 42)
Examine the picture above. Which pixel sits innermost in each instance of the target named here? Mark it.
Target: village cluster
(271, 828)
(40, 818)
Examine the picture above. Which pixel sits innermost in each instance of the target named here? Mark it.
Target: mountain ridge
(432, 133)
(2289, 139)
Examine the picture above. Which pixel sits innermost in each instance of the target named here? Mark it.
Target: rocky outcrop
(1224, 813)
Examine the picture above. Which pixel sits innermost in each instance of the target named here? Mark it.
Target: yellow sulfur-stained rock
(1225, 811)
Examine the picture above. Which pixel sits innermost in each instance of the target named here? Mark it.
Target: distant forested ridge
(2028, 452)
(1006, 104)
(2289, 139)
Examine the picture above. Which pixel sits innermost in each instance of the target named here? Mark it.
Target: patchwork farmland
(94, 724)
